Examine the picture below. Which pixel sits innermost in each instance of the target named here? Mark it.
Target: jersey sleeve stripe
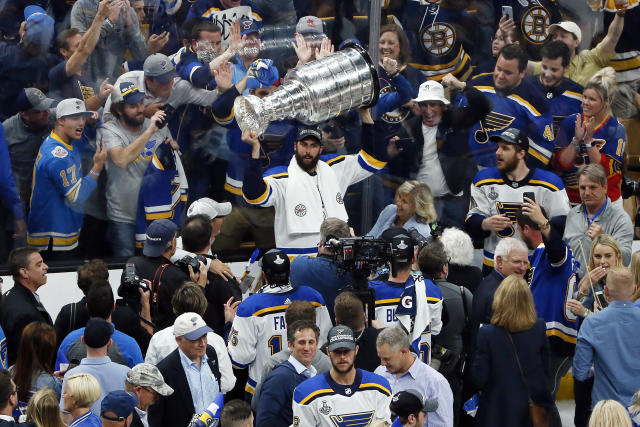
(544, 184)
(279, 175)
(489, 181)
(525, 104)
(574, 95)
(270, 310)
(539, 156)
(210, 12)
(489, 89)
(224, 120)
(158, 215)
(370, 161)
(193, 70)
(238, 365)
(388, 301)
(316, 394)
(564, 337)
(233, 190)
(335, 160)
(374, 386)
(262, 198)
(434, 299)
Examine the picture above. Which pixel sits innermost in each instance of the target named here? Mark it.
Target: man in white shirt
(444, 161)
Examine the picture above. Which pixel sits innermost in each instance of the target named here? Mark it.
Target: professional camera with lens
(130, 283)
(188, 260)
(629, 187)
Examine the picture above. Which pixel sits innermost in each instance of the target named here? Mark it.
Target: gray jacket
(320, 361)
(613, 220)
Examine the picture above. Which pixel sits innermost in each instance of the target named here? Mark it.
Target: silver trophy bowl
(314, 92)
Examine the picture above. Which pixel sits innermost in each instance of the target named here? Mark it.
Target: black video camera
(193, 261)
(629, 187)
(130, 283)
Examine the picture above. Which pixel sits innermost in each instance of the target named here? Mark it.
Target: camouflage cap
(147, 375)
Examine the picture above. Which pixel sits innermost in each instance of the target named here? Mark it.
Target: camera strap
(155, 285)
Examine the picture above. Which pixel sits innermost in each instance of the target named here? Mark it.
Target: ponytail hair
(604, 82)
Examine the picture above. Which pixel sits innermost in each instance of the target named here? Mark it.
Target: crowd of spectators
(500, 126)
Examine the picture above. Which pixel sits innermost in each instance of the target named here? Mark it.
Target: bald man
(607, 340)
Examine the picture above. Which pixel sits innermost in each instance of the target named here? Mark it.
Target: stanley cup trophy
(314, 92)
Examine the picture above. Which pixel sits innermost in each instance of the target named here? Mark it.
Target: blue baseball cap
(129, 93)
(120, 403)
(39, 29)
(159, 234)
(248, 26)
(262, 74)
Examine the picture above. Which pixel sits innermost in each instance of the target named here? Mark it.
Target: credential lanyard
(591, 219)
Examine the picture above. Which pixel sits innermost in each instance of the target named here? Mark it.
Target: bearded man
(497, 194)
(312, 187)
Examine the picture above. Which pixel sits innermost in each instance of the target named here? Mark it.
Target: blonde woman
(605, 253)
(80, 392)
(44, 409)
(594, 136)
(609, 413)
(413, 208)
(635, 270)
(510, 365)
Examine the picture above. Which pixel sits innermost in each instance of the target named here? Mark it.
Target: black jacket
(367, 357)
(19, 308)
(165, 281)
(177, 409)
(504, 397)
(468, 276)
(135, 420)
(481, 310)
(218, 291)
(4, 423)
(454, 155)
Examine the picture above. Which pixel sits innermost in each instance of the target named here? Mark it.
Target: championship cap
(431, 91)
(71, 107)
(309, 132)
(191, 326)
(159, 67)
(128, 92)
(569, 27)
(309, 25)
(341, 336)
(512, 136)
(97, 333)
(276, 266)
(262, 74)
(120, 403)
(147, 375)
(159, 234)
(248, 26)
(31, 98)
(407, 402)
(209, 207)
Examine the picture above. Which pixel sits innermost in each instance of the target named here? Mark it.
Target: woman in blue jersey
(594, 136)
(413, 208)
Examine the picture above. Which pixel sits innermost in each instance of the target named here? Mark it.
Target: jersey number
(548, 133)
(275, 344)
(424, 352)
(70, 171)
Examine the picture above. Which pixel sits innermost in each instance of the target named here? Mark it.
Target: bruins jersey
(320, 401)
(436, 37)
(533, 17)
(259, 330)
(523, 108)
(492, 193)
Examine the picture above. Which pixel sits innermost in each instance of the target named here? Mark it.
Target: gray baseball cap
(147, 375)
(159, 67)
(31, 98)
(341, 336)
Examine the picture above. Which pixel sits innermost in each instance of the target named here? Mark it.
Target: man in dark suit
(8, 401)
(191, 370)
(22, 305)
(146, 381)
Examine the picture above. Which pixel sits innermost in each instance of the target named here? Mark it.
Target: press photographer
(165, 277)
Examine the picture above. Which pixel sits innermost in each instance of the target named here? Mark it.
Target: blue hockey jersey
(523, 108)
(189, 68)
(563, 100)
(58, 191)
(320, 401)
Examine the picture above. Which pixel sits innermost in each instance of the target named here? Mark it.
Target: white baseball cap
(209, 207)
(71, 107)
(431, 91)
(569, 27)
(191, 326)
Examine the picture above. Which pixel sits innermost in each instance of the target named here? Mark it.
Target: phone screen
(507, 11)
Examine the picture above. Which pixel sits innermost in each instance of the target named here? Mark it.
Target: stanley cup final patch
(300, 210)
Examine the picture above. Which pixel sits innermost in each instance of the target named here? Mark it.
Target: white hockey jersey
(320, 401)
(492, 193)
(259, 330)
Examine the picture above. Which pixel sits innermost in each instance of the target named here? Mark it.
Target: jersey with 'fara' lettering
(259, 330)
(320, 401)
(492, 193)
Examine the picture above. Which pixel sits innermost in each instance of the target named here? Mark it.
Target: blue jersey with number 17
(259, 330)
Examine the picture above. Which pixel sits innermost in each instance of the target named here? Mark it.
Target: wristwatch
(544, 226)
